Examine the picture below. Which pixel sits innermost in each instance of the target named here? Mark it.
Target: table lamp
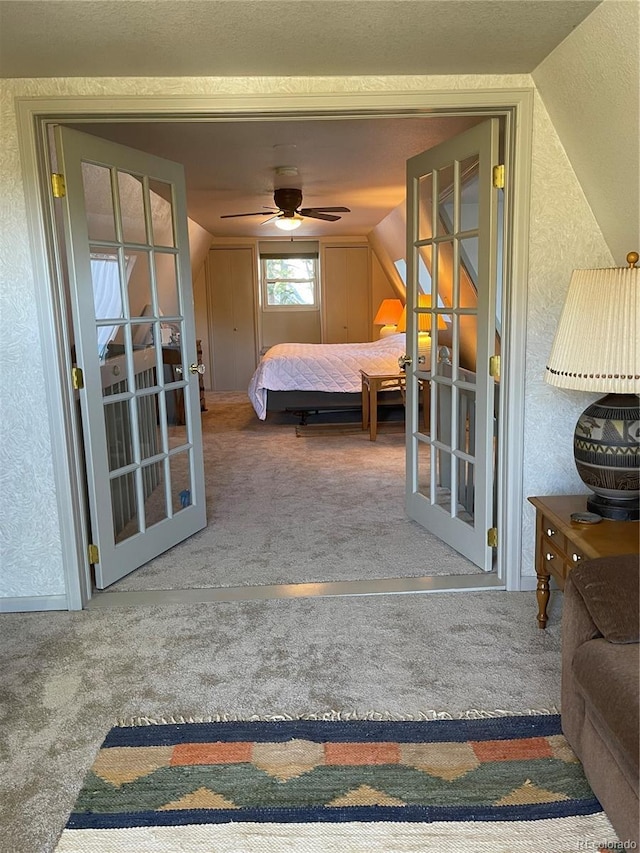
(596, 348)
(388, 315)
(424, 327)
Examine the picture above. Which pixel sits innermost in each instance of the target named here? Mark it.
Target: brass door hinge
(492, 537)
(77, 378)
(94, 554)
(58, 185)
(498, 176)
(494, 367)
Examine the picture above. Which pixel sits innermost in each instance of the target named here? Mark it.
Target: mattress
(321, 367)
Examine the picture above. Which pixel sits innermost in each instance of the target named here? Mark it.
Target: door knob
(404, 361)
(197, 368)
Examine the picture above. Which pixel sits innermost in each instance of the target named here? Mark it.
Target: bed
(313, 377)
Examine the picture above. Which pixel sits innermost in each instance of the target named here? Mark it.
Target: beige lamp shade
(596, 347)
(388, 313)
(424, 320)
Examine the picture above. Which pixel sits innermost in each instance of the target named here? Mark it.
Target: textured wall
(563, 235)
(591, 87)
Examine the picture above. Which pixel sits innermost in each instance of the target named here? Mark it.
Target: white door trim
(35, 114)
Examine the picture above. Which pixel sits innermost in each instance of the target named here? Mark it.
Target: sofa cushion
(608, 677)
(609, 587)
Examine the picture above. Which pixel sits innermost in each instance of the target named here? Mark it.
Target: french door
(134, 346)
(452, 331)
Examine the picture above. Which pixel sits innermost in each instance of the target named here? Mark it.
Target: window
(289, 282)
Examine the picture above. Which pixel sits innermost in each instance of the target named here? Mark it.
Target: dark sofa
(601, 682)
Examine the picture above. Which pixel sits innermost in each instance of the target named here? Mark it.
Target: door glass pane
(113, 362)
(144, 365)
(105, 281)
(155, 501)
(468, 324)
(161, 213)
(443, 280)
(424, 269)
(446, 201)
(467, 421)
(124, 505)
(424, 468)
(139, 283)
(469, 220)
(149, 432)
(114, 376)
(167, 284)
(175, 407)
(468, 259)
(132, 208)
(424, 407)
(177, 433)
(425, 204)
(181, 489)
(98, 199)
(442, 426)
(143, 334)
(465, 507)
(174, 369)
(444, 468)
(117, 421)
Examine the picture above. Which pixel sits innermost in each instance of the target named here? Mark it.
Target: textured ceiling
(120, 38)
(230, 167)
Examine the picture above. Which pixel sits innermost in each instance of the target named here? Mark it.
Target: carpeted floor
(67, 678)
(289, 509)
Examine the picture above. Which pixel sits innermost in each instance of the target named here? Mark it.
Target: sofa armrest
(609, 587)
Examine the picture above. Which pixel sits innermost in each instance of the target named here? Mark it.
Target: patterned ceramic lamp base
(606, 447)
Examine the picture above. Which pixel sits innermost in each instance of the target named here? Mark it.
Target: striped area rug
(507, 783)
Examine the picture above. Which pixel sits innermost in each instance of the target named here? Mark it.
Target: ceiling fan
(288, 201)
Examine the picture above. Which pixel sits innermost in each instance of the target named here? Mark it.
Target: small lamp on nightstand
(597, 348)
(388, 315)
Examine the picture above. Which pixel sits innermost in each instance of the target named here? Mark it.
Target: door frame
(34, 119)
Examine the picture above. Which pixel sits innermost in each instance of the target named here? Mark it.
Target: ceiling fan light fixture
(288, 223)
(287, 171)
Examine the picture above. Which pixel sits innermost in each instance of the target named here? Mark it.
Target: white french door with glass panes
(127, 249)
(452, 330)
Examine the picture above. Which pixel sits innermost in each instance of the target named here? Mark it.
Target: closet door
(346, 294)
(231, 293)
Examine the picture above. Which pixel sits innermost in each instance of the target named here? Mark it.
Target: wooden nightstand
(374, 382)
(371, 384)
(561, 543)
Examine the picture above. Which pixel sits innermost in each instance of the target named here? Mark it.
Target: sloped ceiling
(138, 38)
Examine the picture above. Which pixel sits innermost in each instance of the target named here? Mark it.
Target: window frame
(264, 282)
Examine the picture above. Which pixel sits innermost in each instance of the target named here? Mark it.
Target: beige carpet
(286, 505)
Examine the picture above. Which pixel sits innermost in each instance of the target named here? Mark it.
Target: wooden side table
(561, 543)
(371, 384)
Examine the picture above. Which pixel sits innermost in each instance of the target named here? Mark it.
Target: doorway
(517, 158)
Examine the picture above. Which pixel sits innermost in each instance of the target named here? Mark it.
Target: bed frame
(305, 403)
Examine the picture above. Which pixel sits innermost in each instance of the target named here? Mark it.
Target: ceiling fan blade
(314, 214)
(235, 215)
(264, 212)
(306, 210)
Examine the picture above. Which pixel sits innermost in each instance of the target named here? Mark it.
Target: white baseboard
(528, 583)
(31, 603)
